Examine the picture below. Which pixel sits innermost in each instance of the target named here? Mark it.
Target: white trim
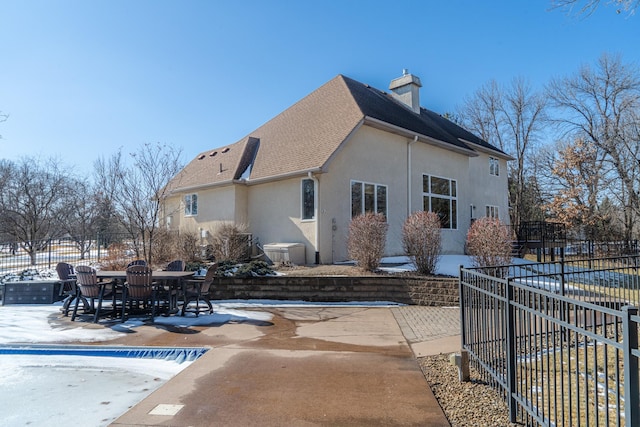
(315, 199)
(450, 197)
(375, 198)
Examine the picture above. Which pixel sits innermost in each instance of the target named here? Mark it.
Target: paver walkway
(429, 330)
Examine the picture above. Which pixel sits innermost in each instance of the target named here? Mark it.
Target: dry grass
(323, 270)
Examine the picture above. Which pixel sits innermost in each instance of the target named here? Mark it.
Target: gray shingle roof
(305, 136)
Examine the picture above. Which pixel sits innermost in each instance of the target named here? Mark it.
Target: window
(366, 197)
(492, 212)
(308, 199)
(440, 196)
(191, 205)
(494, 166)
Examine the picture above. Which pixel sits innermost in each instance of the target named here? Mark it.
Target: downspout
(316, 216)
(415, 139)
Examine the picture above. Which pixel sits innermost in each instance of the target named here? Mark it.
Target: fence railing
(562, 350)
(14, 259)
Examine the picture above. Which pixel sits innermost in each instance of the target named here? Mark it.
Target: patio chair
(176, 265)
(68, 289)
(137, 262)
(167, 292)
(89, 287)
(139, 289)
(198, 291)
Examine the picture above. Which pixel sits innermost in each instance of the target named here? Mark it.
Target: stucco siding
(275, 215)
(489, 190)
(440, 163)
(215, 206)
(369, 156)
(272, 211)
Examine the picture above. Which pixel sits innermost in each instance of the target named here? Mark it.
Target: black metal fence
(560, 340)
(14, 259)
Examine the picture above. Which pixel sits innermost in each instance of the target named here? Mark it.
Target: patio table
(175, 279)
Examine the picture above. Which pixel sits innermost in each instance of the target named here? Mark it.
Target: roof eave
(377, 123)
(484, 149)
(201, 186)
(292, 174)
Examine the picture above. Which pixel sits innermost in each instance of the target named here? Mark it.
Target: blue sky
(82, 78)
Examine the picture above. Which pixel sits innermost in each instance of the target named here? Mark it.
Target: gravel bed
(465, 404)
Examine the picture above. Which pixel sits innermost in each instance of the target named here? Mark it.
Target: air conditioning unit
(286, 252)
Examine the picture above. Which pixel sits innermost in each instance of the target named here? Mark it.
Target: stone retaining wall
(429, 291)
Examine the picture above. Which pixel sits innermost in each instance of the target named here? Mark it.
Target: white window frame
(191, 202)
(452, 197)
(492, 211)
(494, 166)
(376, 188)
(302, 200)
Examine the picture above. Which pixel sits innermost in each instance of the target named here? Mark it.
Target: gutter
(278, 177)
(302, 172)
(409, 144)
(496, 152)
(424, 138)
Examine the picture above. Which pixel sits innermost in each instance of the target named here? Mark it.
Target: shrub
(489, 243)
(367, 236)
(164, 245)
(169, 245)
(421, 240)
(117, 257)
(251, 269)
(230, 243)
(188, 247)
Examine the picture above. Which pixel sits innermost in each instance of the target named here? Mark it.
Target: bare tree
(601, 105)
(511, 119)
(587, 7)
(136, 190)
(80, 217)
(31, 202)
(3, 117)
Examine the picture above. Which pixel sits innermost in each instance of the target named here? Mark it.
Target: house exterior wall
(217, 205)
(272, 211)
(441, 163)
(379, 157)
(489, 190)
(370, 156)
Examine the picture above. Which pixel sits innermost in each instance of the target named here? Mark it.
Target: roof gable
(306, 135)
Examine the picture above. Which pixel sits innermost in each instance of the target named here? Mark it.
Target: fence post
(49, 254)
(563, 314)
(98, 246)
(631, 382)
(511, 352)
(462, 308)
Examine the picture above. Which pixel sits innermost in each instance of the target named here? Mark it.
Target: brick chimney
(406, 89)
